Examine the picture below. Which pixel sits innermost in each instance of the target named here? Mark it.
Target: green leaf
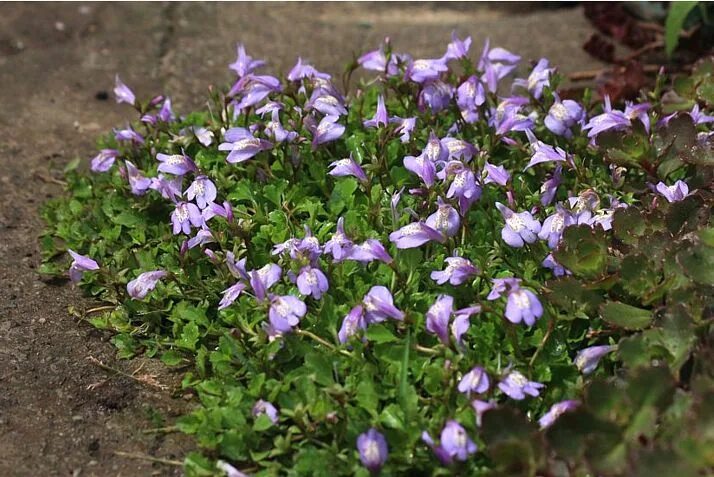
(380, 334)
(678, 12)
(171, 358)
(625, 316)
(262, 422)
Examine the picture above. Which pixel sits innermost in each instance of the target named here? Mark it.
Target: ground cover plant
(442, 270)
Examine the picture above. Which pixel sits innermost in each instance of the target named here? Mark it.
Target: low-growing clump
(418, 277)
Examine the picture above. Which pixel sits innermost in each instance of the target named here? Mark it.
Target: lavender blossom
(380, 116)
(550, 186)
(138, 183)
(503, 285)
(445, 220)
(438, 316)
(475, 381)
(455, 442)
(459, 149)
(144, 283)
(128, 134)
(326, 131)
(368, 251)
(537, 80)
(414, 235)
(339, 245)
(587, 359)
(523, 306)
(184, 216)
(372, 447)
(231, 294)
(496, 64)
(285, 313)
(351, 323)
(404, 128)
(168, 188)
(379, 305)
(420, 71)
(244, 64)
(323, 101)
(123, 93)
(469, 96)
(554, 225)
(203, 190)
(543, 152)
(254, 89)
(461, 322)
(457, 49)
(550, 263)
(562, 116)
(439, 451)
(311, 281)
(377, 61)
(79, 265)
(275, 129)
(516, 386)
(699, 117)
(423, 167)
(103, 161)
(457, 271)
(229, 470)
(176, 164)
(520, 227)
(609, 120)
(202, 237)
(304, 70)
(263, 278)
(496, 175)
(242, 145)
(673, 193)
(435, 95)
(556, 411)
(480, 407)
(265, 408)
(348, 167)
(463, 186)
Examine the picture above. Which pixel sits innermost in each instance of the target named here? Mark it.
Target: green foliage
(678, 12)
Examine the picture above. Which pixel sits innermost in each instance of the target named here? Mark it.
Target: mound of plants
(436, 269)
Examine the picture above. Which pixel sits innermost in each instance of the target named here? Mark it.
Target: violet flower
(138, 183)
(265, 408)
(262, 279)
(176, 164)
(543, 152)
(275, 129)
(351, 323)
(435, 95)
(242, 145)
(469, 96)
(516, 386)
(554, 225)
(79, 265)
(609, 120)
(562, 116)
(128, 134)
(496, 174)
(537, 80)
(203, 190)
(445, 220)
(501, 286)
(254, 89)
(673, 193)
(699, 117)
(455, 442)
(203, 135)
(550, 186)
(457, 49)
(461, 322)
(103, 161)
(523, 306)
(376, 60)
(139, 287)
(459, 149)
(123, 93)
(404, 128)
(463, 186)
(285, 313)
(379, 305)
(414, 235)
(438, 316)
(323, 101)
(587, 359)
(202, 237)
(326, 131)
(348, 167)
(339, 245)
(184, 216)
(229, 470)
(420, 71)
(457, 271)
(244, 64)
(550, 263)
(380, 116)
(231, 294)
(423, 167)
(368, 251)
(475, 381)
(556, 411)
(520, 228)
(496, 64)
(372, 447)
(441, 453)
(480, 407)
(304, 70)
(311, 281)
(168, 188)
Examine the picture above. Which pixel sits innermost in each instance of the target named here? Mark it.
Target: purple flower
(275, 129)
(380, 116)
(351, 323)
(379, 305)
(469, 96)
(461, 322)
(204, 135)
(457, 48)
(420, 71)
(496, 64)
(435, 95)
(480, 407)
(638, 111)
(285, 313)
(377, 61)
(123, 93)
(128, 134)
(242, 145)
(303, 70)
(438, 450)
(537, 80)
(563, 115)
(422, 167)
(103, 161)
(699, 117)
(184, 216)
(501, 286)
(244, 64)
(166, 114)
(414, 235)
(311, 281)
(231, 294)
(475, 381)
(520, 227)
(368, 251)
(326, 131)
(405, 126)
(168, 188)
(372, 447)
(463, 186)
(139, 287)
(326, 103)
(550, 186)
(137, 181)
(263, 278)
(339, 245)
(550, 263)
(254, 89)
(202, 237)
(459, 149)
(543, 152)
(265, 408)
(438, 316)
(80, 264)
(554, 225)
(496, 175)
(445, 220)
(587, 359)
(523, 306)
(203, 190)
(455, 442)
(516, 386)
(609, 120)
(176, 164)
(348, 167)
(555, 412)
(673, 193)
(457, 271)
